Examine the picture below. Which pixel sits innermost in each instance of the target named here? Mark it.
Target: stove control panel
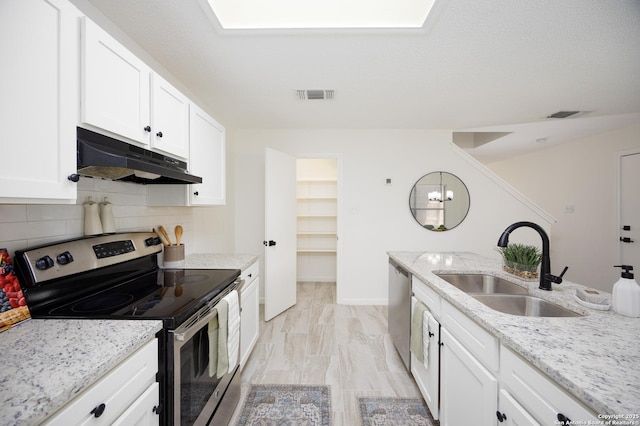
(71, 257)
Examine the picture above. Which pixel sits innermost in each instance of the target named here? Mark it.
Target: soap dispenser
(626, 293)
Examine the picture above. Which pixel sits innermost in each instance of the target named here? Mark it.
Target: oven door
(198, 387)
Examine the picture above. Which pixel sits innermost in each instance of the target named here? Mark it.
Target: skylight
(318, 14)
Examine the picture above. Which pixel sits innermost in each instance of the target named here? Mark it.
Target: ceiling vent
(314, 94)
(566, 114)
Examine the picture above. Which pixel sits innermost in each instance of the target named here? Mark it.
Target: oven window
(197, 382)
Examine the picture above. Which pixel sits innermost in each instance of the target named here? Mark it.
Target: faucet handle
(558, 279)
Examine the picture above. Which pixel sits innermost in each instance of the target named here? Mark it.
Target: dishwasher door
(399, 321)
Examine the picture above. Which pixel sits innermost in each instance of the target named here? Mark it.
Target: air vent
(564, 114)
(314, 94)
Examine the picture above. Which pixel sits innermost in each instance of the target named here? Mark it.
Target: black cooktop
(171, 295)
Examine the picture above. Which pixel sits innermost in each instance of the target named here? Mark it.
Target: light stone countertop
(46, 363)
(595, 357)
(219, 261)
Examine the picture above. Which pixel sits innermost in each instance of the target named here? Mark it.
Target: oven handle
(202, 317)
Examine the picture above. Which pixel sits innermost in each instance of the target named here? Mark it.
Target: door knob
(269, 243)
(626, 240)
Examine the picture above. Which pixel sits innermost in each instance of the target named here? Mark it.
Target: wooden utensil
(165, 235)
(178, 232)
(164, 242)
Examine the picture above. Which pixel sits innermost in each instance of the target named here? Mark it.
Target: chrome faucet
(545, 269)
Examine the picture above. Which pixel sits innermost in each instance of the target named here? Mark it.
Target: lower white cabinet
(511, 413)
(545, 401)
(469, 392)
(249, 314)
(128, 394)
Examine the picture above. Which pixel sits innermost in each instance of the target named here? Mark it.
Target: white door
(629, 208)
(280, 233)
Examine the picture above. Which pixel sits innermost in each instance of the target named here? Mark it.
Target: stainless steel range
(117, 277)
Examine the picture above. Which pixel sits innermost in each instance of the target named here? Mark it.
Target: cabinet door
(511, 413)
(114, 86)
(144, 411)
(206, 158)
(169, 118)
(249, 320)
(469, 392)
(38, 101)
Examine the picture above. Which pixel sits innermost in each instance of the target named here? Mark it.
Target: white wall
(581, 174)
(375, 218)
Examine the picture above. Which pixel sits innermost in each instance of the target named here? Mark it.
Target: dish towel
(426, 337)
(229, 333)
(417, 340)
(213, 332)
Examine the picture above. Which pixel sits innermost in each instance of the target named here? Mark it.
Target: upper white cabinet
(206, 159)
(38, 105)
(114, 86)
(122, 95)
(169, 118)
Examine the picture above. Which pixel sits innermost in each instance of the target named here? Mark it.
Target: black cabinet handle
(147, 129)
(431, 334)
(97, 411)
(157, 409)
(501, 417)
(159, 134)
(74, 177)
(196, 193)
(269, 243)
(564, 420)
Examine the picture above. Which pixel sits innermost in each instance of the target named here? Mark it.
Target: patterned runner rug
(394, 411)
(287, 405)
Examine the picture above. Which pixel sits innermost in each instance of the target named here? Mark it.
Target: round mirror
(439, 201)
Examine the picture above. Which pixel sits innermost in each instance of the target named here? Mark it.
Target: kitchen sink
(481, 283)
(523, 305)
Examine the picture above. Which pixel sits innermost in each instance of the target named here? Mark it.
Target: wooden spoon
(164, 234)
(164, 242)
(178, 232)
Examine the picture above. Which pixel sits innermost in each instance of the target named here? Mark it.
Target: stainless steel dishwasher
(399, 321)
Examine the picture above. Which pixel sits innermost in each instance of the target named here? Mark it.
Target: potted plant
(521, 260)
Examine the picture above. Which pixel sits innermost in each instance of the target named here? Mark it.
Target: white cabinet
(128, 392)
(38, 105)
(114, 86)
(545, 401)
(510, 413)
(169, 118)
(206, 159)
(469, 392)
(122, 95)
(250, 311)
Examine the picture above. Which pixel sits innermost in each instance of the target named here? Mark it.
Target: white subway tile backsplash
(23, 226)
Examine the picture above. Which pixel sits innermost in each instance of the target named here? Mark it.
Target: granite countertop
(595, 357)
(219, 261)
(46, 363)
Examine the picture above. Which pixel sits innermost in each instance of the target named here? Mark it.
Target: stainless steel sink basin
(518, 304)
(480, 283)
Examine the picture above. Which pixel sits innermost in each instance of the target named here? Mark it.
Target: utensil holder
(173, 256)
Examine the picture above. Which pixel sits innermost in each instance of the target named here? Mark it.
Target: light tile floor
(320, 342)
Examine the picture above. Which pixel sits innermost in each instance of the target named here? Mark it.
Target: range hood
(103, 157)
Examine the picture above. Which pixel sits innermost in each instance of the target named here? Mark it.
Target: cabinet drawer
(251, 273)
(117, 390)
(534, 391)
(482, 344)
(426, 295)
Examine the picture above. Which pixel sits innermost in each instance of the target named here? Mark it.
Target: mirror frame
(441, 185)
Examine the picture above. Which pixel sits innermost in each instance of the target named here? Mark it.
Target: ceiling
(494, 66)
